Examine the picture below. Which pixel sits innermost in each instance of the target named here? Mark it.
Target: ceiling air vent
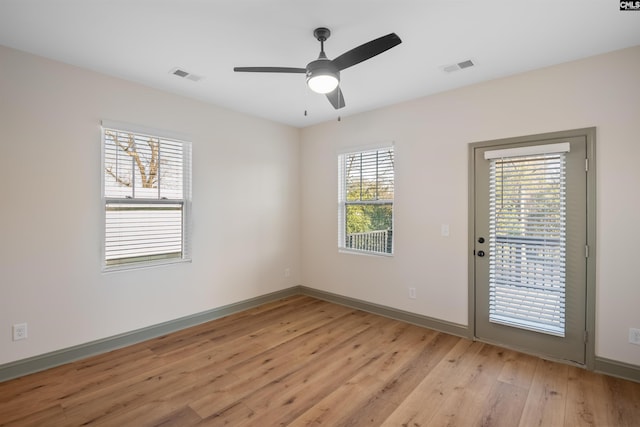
(185, 74)
(458, 66)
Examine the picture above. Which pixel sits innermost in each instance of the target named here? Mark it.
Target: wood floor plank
(518, 369)
(624, 403)
(470, 396)
(546, 401)
(163, 373)
(35, 417)
(236, 415)
(291, 396)
(230, 327)
(153, 415)
(392, 350)
(301, 361)
(183, 417)
(98, 376)
(294, 325)
(34, 393)
(429, 395)
(583, 408)
(401, 382)
(24, 387)
(502, 405)
(344, 402)
(289, 355)
(276, 368)
(139, 389)
(163, 405)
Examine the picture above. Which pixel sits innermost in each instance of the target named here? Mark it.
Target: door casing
(590, 135)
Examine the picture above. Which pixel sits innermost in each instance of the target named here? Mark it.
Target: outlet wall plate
(19, 331)
(634, 336)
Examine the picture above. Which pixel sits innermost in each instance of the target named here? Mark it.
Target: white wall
(246, 207)
(248, 224)
(432, 136)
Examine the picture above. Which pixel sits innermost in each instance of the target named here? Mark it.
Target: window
(146, 195)
(365, 196)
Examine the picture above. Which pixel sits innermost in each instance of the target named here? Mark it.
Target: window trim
(343, 203)
(185, 201)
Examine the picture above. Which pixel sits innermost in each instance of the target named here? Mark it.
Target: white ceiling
(143, 40)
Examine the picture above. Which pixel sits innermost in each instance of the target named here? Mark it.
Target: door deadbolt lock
(480, 239)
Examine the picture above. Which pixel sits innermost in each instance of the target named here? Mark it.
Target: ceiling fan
(323, 74)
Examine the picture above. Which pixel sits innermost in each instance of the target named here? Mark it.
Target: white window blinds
(366, 201)
(146, 194)
(527, 241)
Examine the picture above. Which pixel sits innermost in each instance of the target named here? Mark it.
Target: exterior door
(530, 245)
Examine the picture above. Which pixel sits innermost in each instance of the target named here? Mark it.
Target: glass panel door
(530, 234)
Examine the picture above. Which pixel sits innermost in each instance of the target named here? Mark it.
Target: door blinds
(527, 238)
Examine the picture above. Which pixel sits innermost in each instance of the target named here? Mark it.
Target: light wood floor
(301, 361)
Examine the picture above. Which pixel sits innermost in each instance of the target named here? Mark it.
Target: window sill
(365, 253)
(143, 265)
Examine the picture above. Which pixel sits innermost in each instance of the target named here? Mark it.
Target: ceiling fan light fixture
(322, 76)
(323, 83)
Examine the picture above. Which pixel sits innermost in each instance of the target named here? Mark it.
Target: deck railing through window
(375, 241)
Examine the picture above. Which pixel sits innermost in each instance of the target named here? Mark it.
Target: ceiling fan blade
(335, 98)
(270, 70)
(366, 51)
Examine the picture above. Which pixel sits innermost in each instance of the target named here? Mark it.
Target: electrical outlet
(287, 272)
(634, 336)
(19, 331)
(444, 230)
(412, 293)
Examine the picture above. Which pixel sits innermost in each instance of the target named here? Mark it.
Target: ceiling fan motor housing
(322, 66)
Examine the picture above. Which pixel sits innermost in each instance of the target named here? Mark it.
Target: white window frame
(184, 201)
(343, 203)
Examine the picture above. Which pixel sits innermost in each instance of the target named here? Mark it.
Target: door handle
(480, 253)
